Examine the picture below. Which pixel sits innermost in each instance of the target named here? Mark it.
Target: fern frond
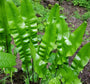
(62, 40)
(48, 41)
(76, 39)
(30, 20)
(68, 44)
(68, 75)
(5, 38)
(47, 44)
(82, 58)
(23, 29)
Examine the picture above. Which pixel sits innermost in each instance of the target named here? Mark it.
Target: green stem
(28, 75)
(32, 71)
(4, 82)
(11, 78)
(5, 25)
(39, 81)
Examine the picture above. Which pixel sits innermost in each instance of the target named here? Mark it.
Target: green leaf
(5, 38)
(7, 60)
(68, 75)
(62, 40)
(39, 64)
(19, 33)
(76, 39)
(27, 9)
(49, 38)
(23, 29)
(9, 70)
(82, 58)
(47, 44)
(54, 81)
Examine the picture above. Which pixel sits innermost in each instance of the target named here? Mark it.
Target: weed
(86, 16)
(77, 15)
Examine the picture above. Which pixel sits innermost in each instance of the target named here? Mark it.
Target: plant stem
(28, 75)
(32, 71)
(39, 81)
(4, 82)
(5, 25)
(11, 78)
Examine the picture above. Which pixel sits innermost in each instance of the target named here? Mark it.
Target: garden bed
(73, 22)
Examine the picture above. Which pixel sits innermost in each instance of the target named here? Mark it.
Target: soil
(68, 11)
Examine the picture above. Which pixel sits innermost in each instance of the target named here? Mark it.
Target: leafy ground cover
(72, 21)
(69, 12)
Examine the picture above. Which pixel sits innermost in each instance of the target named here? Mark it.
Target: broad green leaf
(76, 39)
(12, 11)
(68, 75)
(54, 81)
(82, 58)
(27, 9)
(48, 41)
(39, 64)
(9, 70)
(62, 40)
(7, 60)
(23, 29)
(47, 44)
(30, 20)
(19, 33)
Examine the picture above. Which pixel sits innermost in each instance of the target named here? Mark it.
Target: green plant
(23, 29)
(3, 81)
(86, 37)
(86, 15)
(84, 3)
(68, 0)
(17, 2)
(40, 61)
(7, 60)
(65, 45)
(42, 14)
(77, 15)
